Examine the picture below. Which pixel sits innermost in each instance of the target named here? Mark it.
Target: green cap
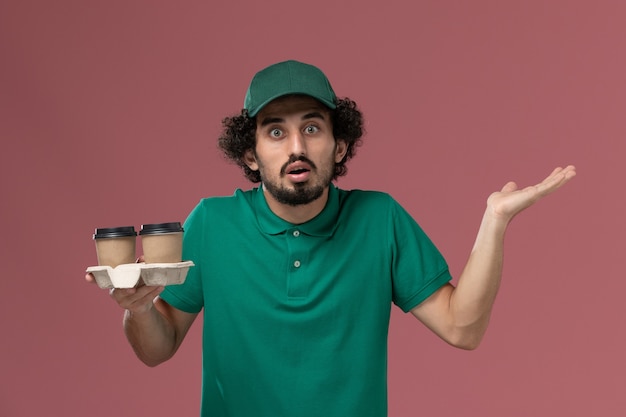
(284, 78)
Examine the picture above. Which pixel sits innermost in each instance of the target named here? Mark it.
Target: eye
(276, 133)
(311, 129)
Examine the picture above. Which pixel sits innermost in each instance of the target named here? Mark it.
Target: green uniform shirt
(296, 316)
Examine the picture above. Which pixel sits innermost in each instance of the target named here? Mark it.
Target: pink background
(109, 113)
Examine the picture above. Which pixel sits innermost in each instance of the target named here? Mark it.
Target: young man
(296, 278)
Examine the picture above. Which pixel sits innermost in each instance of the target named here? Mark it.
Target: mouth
(298, 171)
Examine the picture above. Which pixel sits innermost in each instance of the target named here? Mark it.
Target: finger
(558, 178)
(145, 300)
(121, 293)
(569, 172)
(135, 298)
(509, 187)
(555, 174)
(90, 278)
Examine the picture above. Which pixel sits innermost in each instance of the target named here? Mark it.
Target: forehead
(291, 105)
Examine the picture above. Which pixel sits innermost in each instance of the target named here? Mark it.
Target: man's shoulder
(215, 208)
(358, 196)
(363, 203)
(238, 198)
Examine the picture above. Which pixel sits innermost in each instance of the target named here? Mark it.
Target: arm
(154, 329)
(460, 315)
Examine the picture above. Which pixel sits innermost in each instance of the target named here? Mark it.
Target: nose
(297, 143)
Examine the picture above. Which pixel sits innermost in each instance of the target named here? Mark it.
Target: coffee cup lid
(158, 228)
(109, 232)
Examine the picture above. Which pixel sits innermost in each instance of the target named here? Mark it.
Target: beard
(303, 192)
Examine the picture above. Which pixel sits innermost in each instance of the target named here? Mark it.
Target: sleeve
(188, 296)
(418, 268)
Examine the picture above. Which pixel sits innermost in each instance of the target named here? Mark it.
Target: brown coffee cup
(162, 242)
(115, 245)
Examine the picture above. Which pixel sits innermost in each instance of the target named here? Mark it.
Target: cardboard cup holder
(152, 274)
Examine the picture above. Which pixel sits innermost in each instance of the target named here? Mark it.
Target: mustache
(293, 159)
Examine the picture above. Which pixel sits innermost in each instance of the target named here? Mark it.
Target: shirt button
(296, 233)
(296, 264)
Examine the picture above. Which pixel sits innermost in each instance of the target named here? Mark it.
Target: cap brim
(253, 112)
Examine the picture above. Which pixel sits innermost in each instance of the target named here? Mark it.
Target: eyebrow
(312, 115)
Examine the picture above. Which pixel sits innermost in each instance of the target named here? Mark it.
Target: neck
(299, 214)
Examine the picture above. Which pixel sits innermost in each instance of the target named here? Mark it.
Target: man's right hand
(137, 300)
(154, 329)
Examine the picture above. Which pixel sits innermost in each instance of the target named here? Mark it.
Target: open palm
(511, 200)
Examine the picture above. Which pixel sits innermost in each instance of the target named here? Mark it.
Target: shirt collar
(321, 225)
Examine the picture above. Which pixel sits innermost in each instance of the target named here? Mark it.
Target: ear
(341, 149)
(250, 160)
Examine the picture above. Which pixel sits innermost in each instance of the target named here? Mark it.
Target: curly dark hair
(239, 135)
